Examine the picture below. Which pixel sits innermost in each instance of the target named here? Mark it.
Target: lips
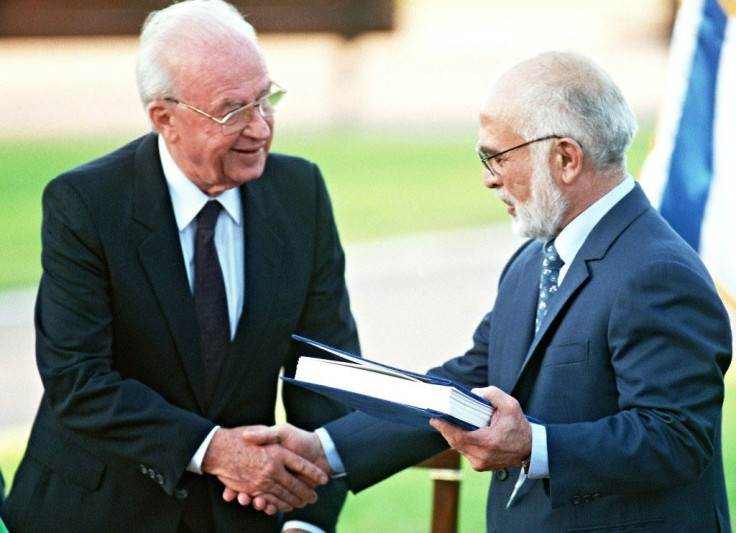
(248, 151)
(504, 197)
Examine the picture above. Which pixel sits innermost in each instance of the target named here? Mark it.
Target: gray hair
(564, 93)
(177, 32)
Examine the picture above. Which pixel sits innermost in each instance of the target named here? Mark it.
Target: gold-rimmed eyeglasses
(237, 119)
(488, 159)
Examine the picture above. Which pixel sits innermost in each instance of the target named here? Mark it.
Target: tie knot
(207, 217)
(552, 259)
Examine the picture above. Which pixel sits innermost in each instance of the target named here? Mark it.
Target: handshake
(277, 468)
(271, 468)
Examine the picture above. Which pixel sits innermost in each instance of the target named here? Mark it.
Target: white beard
(541, 215)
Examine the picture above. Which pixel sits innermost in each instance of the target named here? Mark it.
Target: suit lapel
(160, 254)
(263, 258)
(517, 321)
(595, 247)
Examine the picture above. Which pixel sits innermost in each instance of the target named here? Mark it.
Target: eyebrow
(488, 152)
(235, 104)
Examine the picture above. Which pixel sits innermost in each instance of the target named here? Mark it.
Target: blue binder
(380, 408)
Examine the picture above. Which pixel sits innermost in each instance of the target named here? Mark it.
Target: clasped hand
(257, 467)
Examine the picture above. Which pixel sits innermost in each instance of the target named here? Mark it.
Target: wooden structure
(37, 18)
(446, 475)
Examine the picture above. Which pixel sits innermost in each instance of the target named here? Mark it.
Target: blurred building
(422, 63)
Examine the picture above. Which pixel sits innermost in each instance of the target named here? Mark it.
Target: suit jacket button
(501, 474)
(151, 473)
(576, 500)
(160, 479)
(181, 494)
(144, 470)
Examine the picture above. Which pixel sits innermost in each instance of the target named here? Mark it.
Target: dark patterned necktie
(548, 281)
(210, 301)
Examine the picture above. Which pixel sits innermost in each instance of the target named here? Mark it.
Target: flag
(690, 173)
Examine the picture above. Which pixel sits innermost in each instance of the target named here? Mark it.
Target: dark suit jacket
(626, 375)
(117, 345)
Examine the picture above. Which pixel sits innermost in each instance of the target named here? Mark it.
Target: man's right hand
(299, 441)
(303, 443)
(281, 479)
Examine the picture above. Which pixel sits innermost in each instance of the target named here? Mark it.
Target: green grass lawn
(382, 183)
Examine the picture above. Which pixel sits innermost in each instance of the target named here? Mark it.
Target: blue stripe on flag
(691, 165)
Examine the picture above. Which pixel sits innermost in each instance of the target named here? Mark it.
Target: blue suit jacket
(626, 374)
(117, 345)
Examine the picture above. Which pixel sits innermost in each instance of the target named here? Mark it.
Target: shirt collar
(187, 199)
(572, 237)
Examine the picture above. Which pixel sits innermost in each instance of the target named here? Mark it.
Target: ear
(161, 116)
(568, 159)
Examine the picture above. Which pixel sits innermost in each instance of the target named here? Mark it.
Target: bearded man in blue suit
(609, 388)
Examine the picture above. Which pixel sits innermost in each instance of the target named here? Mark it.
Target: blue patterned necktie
(548, 281)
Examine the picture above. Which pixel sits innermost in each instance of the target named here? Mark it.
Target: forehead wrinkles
(496, 133)
(220, 66)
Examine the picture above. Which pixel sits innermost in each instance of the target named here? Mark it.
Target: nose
(489, 180)
(258, 127)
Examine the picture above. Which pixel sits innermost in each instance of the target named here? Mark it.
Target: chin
(249, 174)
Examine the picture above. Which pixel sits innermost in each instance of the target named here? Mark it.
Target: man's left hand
(505, 442)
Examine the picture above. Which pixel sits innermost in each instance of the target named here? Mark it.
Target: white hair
(564, 93)
(175, 33)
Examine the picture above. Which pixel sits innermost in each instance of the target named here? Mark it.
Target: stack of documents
(388, 392)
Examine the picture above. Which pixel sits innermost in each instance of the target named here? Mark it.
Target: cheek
(520, 190)
(202, 149)
(271, 125)
(523, 183)
(220, 153)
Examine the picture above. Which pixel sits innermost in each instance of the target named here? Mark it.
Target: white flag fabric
(690, 174)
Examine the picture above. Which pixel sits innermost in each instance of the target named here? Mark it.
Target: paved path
(416, 298)
(20, 386)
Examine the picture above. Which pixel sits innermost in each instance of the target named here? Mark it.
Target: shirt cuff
(333, 458)
(539, 463)
(302, 526)
(195, 463)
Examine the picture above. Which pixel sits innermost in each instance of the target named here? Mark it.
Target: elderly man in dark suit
(607, 345)
(175, 270)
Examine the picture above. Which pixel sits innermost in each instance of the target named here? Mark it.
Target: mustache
(504, 196)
